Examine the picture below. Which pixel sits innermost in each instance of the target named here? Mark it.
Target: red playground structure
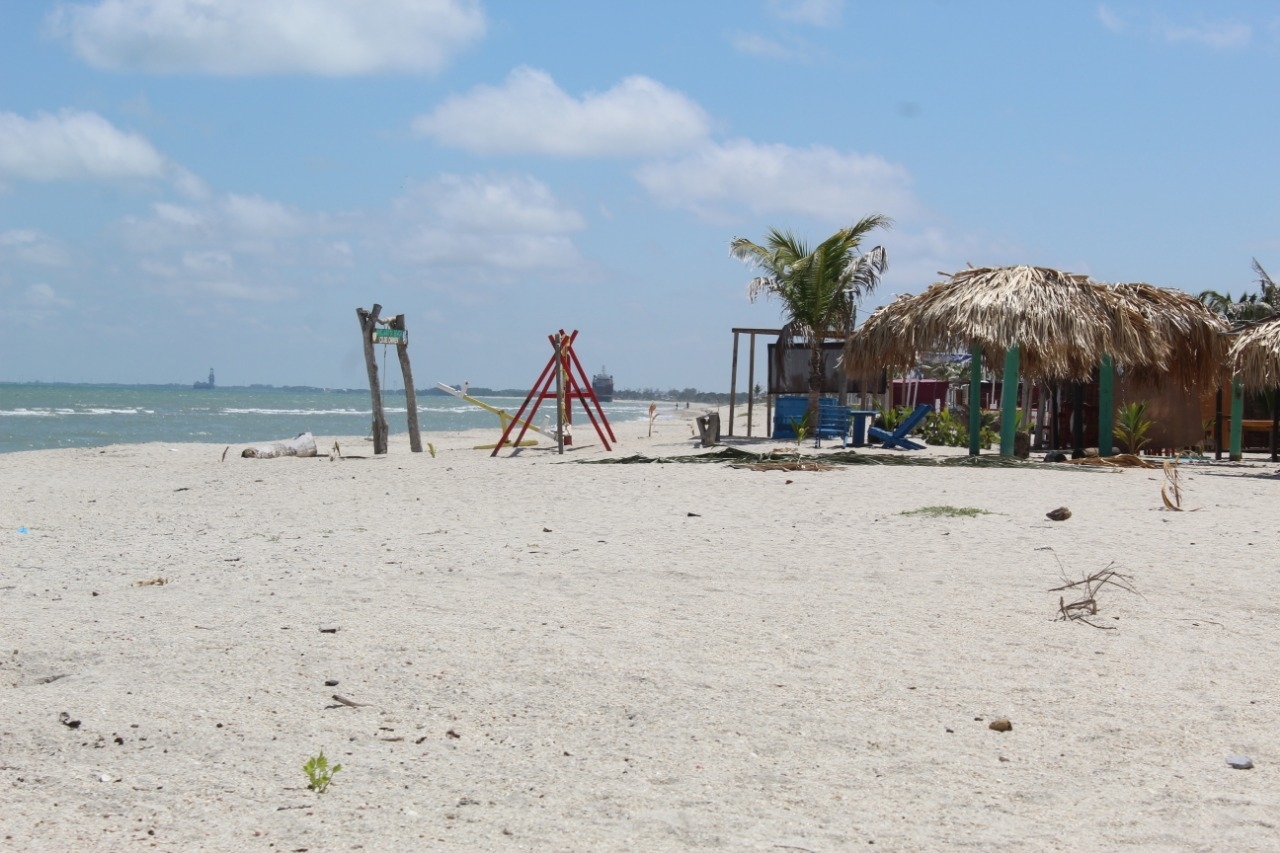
(564, 381)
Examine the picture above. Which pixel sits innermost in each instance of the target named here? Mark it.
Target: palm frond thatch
(1195, 336)
(1062, 323)
(1255, 354)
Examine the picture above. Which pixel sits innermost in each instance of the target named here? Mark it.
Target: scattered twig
(1077, 611)
(343, 700)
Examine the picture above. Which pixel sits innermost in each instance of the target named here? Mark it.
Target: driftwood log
(303, 445)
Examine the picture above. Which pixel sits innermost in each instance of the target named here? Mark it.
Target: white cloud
(259, 217)
(1219, 35)
(74, 146)
(817, 13)
(754, 45)
(529, 113)
(32, 247)
(492, 259)
(493, 204)
(239, 37)
(722, 182)
(42, 297)
(489, 228)
(1111, 20)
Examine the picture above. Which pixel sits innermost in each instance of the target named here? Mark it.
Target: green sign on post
(390, 336)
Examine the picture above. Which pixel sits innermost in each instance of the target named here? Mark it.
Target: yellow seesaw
(504, 417)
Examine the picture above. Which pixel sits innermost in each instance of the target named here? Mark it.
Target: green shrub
(1132, 426)
(944, 429)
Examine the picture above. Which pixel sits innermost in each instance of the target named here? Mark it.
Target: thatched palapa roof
(1195, 335)
(1255, 354)
(1063, 323)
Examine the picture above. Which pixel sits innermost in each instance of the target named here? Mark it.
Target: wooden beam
(369, 322)
(410, 395)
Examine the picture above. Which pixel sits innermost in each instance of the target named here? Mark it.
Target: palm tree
(1268, 288)
(819, 288)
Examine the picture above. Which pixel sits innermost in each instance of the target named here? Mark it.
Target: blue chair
(833, 421)
(898, 438)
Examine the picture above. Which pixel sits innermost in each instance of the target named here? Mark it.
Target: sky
(197, 183)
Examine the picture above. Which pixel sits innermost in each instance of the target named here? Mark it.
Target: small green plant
(801, 427)
(947, 511)
(1132, 426)
(319, 772)
(944, 429)
(891, 417)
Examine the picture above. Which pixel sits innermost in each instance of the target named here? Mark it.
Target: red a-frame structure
(565, 369)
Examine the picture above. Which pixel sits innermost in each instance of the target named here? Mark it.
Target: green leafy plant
(319, 772)
(801, 427)
(889, 418)
(1132, 425)
(944, 429)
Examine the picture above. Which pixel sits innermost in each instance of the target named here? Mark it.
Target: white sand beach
(546, 655)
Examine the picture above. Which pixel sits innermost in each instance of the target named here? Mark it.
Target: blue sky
(186, 183)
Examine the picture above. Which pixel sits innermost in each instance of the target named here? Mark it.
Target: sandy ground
(558, 656)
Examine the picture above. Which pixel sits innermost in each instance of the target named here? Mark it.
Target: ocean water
(42, 416)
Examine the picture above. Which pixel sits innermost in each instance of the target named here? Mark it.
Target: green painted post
(1106, 405)
(1237, 420)
(1009, 402)
(975, 398)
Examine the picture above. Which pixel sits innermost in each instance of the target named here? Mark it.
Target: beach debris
(22, 530)
(1120, 460)
(350, 703)
(224, 453)
(66, 720)
(330, 629)
(453, 734)
(152, 582)
(1059, 514)
(1076, 611)
(1001, 724)
(693, 515)
(1239, 762)
(303, 445)
(1171, 488)
(743, 458)
(332, 682)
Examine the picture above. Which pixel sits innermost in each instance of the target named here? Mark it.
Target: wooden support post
(1009, 402)
(369, 322)
(733, 384)
(1106, 405)
(1055, 404)
(751, 384)
(975, 399)
(560, 409)
(410, 395)
(1217, 426)
(1077, 420)
(1237, 420)
(1275, 424)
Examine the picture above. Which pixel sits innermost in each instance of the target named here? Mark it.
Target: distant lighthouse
(205, 386)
